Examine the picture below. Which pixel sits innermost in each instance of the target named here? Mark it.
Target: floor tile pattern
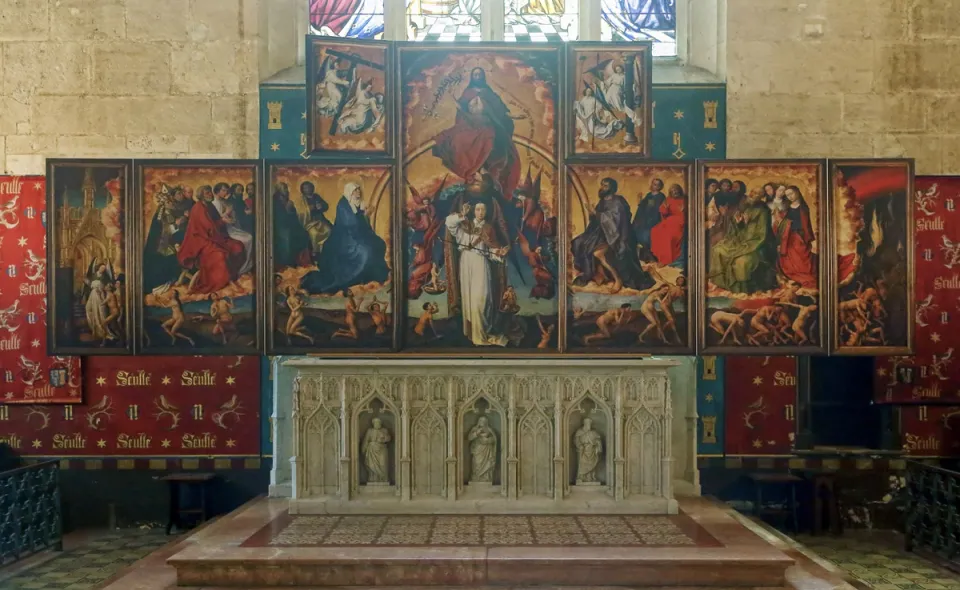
(485, 530)
(876, 561)
(88, 566)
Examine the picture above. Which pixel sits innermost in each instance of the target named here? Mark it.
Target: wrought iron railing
(30, 517)
(933, 511)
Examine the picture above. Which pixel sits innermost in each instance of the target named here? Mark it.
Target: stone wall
(844, 78)
(129, 78)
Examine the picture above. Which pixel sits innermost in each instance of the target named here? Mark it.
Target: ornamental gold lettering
(927, 224)
(133, 441)
(41, 391)
(33, 288)
(944, 283)
(784, 379)
(11, 187)
(789, 412)
(921, 443)
(195, 378)
(203, 441)
(11, 440)
(11, 342)
(932, 392)
(69, 441)
(137, 378)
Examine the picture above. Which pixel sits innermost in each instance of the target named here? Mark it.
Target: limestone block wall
(844, 78)
(131, 78)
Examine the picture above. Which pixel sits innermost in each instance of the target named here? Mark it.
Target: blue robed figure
(629, 18)
(353, 254)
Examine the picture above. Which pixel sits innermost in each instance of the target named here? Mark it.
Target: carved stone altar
(482, 436)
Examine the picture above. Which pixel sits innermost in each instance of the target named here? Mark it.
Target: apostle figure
(315, 220)
(740, 262)
(353, 254)
(483, 450)
(589, 447)
(291, 242)
(375, 453)
(226, 204)
(648, 215)
(209, 249)
(480, 277)
(668, 238)
(606, 251)
(481, 139)
(795, 237)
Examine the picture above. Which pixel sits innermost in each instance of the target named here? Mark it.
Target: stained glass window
(540, 20)
(640, 20)
(443, 20)
(349, 19)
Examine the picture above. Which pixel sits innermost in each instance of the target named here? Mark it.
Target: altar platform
(262, 545)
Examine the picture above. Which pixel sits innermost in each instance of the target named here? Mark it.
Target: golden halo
(347, 179)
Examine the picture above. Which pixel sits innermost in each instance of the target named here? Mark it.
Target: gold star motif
(275, 147)
(881, 372)
(8, 395)
(22, 242)
(678, 114)
(165, 380)
(101, 381)
(37, 444)
(38, 185)
(934, 337)
(758, 380)
(102, 444)
(708, 397)
(231, 380)
(303, 115)
(757, 444)
(165, 443)
(35, 343)
(231, 443)
(710, 146)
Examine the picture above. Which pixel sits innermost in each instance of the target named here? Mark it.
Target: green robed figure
(740, 261)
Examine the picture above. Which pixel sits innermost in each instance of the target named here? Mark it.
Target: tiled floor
(875, 560)
(487, 531)
(89, 565)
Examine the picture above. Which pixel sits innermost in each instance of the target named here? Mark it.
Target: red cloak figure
(666, 238)
(794, 241)
(481, 138)
(207, 248)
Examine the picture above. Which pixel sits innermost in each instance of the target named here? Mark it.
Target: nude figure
(113, 310)
(220, 311)
(800, 324)
(649, 310)
(726, 324)
(378, 313)
(761, 325)
(173, 324)
(352, 306)
(295, 322)
(609, 323)
(546, 333)
(426, 320)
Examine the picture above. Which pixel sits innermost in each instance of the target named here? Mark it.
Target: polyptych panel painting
(88, 270)
(873, 262)
(332, 258)
(198, 256)
(480, 187)
(348, 100)
(609, 91)
(761, 228)
(628, 272)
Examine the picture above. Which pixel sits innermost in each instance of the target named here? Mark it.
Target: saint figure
(606, 251)
(589, 447)
(291, 242)
(353, 254)
(481, 139)
(668, 239)
(230, 207)
(648, 215)
(740, 261)
(795, 237)
(483, 449)
(209, 249)
(375, 453)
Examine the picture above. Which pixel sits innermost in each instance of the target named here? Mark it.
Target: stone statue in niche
(376, 455)
(589, 447)
(483, 450)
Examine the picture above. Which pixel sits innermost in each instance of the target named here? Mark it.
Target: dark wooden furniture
(186, 481)
(763, 481)
(824, 501)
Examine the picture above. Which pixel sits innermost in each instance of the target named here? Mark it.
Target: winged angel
(101, 302)
(602, 109)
